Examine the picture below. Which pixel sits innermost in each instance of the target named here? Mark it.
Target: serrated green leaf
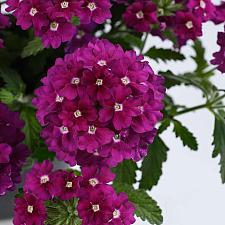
(6, 96)
(146, 207)
(219, 142)
(163, 54)
(164, 125)
(12, 79)
(185, 135)
(33, 48)
(126, 172)
(132, 40)
(152, 164)
(75, 20)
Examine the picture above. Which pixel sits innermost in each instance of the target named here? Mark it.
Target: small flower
(29, 210)
(140, 15)
(38, 180)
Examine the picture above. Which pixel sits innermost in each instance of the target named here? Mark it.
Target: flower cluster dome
(100, 101)
(13, 153)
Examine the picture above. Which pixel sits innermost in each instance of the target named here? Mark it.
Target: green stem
(191, 109)
(144, 42)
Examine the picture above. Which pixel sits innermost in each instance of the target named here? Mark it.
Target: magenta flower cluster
(51, 19)
(4, 22)
(100, 101)
(143, 16)
(98, 203)
(13, 153)
(219, 57)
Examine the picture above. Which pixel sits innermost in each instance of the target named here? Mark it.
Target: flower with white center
(99, 82)
(189, 25)
(92, 6)
(44, 179)
(116, 214)
(64, 130)
(102, 62)
(77, 114)
(96, 153)
(118, 107)
(95, 208)
(33, 11)
(69, 184)
(75, 80)
(30, 209)
(54, 26)
(92, 129)
(64, 4)
(125, 80)
(141, 108)
(93, 182)
(202, 4)
(116, 138)
(140, 15)
(59, 98)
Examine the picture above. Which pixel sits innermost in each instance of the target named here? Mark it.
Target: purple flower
(96, 207)
(203, 8)
(140, 15)
(12, 5)
(66, 185)
(29, 210)
(219, 14)
(219, 57)
(99, 100)
(57, 31)
(32, 12)
(123, 211)
(65, 9)
(38, 180)
(187, 26)
(13, 153)
(94, 175)
(94, 11)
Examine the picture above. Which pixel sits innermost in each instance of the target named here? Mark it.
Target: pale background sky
(190, 191)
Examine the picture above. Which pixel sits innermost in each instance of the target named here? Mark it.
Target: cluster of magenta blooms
(98, 106)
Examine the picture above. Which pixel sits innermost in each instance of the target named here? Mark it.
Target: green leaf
(146, 207)
(219, 141)
(12, 80)
(152, 164)
(185, 135)
(170, 79)
(6, 96)
(132, 40)
(75, 21)
(33, 48)
(164, 54)
(164, 125)
(126, 172)
(62, 212)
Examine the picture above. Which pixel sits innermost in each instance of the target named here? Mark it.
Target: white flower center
(93, 182)
(116, 138)
(69, 184)
(92, 129)
(80, 34)
(140, 15)
(64, 4)
(59, 98)
(116, 214)
(125, 80)
(96, 153)
(92, 6)
(102, 62)
(75, 80)
(64, 130)
(99, 82)
(77, 113)
(54, 26)
(33, 11)
(118, 107)
(44, 179)
(30, 208)
(202, 4)
(189, 24)
(95, 208)
(141, 108)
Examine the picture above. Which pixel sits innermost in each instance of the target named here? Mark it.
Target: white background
(190, 191)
